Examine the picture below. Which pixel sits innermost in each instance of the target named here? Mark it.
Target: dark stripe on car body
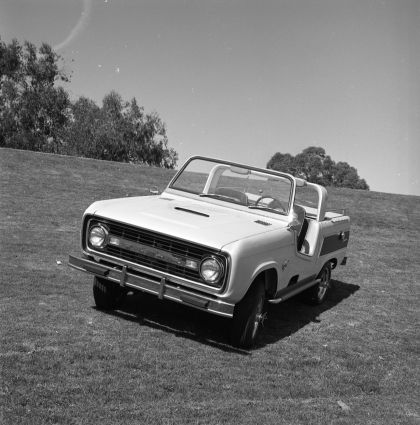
(335, 242)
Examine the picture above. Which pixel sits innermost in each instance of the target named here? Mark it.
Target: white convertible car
(222, 237)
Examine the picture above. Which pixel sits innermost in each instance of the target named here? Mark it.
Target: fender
(240, 284)
(262, 268)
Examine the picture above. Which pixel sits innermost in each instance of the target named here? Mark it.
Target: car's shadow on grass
(282, 321)
(180, 320)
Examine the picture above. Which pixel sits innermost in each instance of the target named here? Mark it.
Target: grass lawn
(353, 360)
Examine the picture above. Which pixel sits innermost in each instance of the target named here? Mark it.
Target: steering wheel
(274, 204)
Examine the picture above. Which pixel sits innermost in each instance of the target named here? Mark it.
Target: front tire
(248, 317)
(318, 293)
(105, 294)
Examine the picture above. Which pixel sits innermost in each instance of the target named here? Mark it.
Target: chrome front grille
(157, 251)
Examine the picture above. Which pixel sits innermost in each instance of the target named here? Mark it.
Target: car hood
(196, 221)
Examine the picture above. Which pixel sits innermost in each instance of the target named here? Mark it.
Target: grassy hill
(353, 360)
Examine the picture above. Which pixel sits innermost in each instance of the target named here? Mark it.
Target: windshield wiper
(214, 195)
(220, 197)
(263, 208)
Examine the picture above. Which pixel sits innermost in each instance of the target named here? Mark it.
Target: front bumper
(157, 283)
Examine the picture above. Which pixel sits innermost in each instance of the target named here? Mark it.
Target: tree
(82, 127)
(346, 176)
(37, 115)
(314, 165)
(118, 131)
(32, 110)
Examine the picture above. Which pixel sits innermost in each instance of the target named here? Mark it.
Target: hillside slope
(352, 360)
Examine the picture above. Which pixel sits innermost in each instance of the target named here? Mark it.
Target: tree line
(37, 114)
(315, 166)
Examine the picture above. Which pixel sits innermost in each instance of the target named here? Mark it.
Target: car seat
(300, 215)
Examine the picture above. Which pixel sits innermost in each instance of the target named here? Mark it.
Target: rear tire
(248, 317)
(105, 294)
(318, 293)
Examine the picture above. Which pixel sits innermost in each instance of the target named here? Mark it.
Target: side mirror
(154, 190)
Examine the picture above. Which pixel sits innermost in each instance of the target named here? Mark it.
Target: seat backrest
(309, 237)
(299, 215)
(240, 197)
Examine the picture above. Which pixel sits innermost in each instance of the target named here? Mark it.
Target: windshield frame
(171, 188)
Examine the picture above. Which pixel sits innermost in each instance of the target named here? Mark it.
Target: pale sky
(242, 80)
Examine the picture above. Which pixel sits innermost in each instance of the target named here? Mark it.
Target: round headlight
(211, 270)
(98, 236)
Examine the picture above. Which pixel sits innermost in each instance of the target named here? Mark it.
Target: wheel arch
(332, 261)
(268, 274)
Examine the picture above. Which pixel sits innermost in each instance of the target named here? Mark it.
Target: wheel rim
(258, 318)
(325, 283)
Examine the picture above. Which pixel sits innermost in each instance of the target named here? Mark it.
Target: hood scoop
(191, 211)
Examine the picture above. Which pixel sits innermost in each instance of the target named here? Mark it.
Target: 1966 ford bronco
(222, 237)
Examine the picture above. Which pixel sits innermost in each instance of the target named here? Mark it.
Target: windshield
(252, 188)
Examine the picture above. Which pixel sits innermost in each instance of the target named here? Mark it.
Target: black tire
(248, 317)
(317, 294)
(105, 294)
